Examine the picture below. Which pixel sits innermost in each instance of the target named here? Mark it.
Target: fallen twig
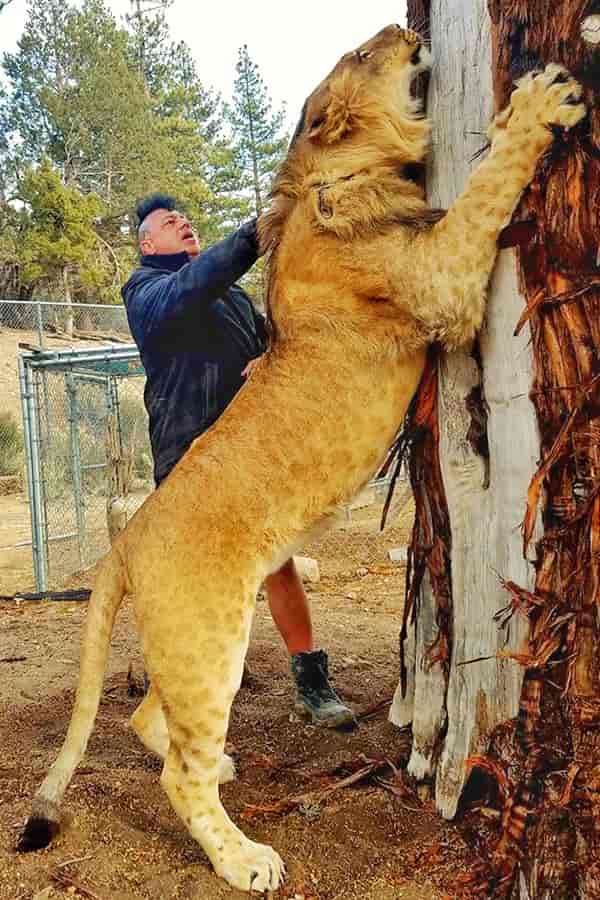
(398, 788)
(373, 708)
(75, 595)
(70, 862)
(66, 880)
(12, 659)
(288, 804)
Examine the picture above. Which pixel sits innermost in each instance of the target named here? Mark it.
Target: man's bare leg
(291, 613)
(290, 608)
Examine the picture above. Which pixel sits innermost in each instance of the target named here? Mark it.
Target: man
(198, 335)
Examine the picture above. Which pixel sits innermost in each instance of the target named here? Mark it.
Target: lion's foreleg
(460, 251)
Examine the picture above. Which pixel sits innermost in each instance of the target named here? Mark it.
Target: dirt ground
(16, 566)
(124, 842)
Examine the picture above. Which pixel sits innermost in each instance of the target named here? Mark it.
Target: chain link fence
(47, 322)
(87, 454)
(74, 449)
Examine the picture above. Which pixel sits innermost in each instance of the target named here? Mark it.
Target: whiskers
(421, 26)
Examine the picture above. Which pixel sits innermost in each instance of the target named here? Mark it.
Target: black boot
(316, 698)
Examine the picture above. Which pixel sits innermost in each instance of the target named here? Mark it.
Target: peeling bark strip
(430, 545)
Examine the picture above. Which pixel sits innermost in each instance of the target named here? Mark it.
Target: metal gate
(83, 421)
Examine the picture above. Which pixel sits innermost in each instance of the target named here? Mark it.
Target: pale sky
(294, 44)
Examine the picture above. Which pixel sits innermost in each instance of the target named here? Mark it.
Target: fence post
(76, 463)
(33, 475)
(40, 323)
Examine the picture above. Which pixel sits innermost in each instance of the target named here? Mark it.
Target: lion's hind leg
(150, 725)
(196, 694)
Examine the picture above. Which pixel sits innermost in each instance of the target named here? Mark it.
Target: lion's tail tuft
(109, 590)
(41, 828)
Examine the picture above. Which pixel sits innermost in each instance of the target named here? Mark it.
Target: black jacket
(196, 330)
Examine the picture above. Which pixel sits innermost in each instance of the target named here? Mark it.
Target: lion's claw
(541, 99)
(252, 867)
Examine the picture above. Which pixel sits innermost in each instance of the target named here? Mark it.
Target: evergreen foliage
(258, 141)
(95, 115)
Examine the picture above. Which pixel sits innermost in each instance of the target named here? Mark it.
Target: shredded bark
(430, 545)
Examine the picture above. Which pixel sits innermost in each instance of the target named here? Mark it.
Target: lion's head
(366, 87)
(359, 131)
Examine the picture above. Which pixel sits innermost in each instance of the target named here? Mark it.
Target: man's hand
(247, 372)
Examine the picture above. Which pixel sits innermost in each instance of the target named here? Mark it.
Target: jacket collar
(170, 261)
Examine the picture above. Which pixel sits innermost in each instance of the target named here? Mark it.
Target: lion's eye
(363, 54)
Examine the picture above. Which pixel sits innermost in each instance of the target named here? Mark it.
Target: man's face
(168, 231)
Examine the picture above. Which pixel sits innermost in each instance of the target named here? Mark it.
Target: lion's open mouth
(421, 58)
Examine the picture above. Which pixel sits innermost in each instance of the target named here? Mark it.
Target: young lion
(358, 287)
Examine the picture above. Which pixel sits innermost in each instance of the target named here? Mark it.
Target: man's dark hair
(153, 202)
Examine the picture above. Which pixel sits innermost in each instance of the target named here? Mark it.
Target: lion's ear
(334, 121)
(332, 209)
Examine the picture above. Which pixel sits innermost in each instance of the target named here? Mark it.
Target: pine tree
(74, 99)
(183, 101)
(209, 179)
(38, 74)
(12, 225)
(60, 243)
(150, 40)
(256, 128)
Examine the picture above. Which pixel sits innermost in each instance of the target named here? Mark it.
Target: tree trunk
(490, 435)
(457, 705)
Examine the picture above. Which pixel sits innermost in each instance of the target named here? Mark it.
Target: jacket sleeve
(164, 303)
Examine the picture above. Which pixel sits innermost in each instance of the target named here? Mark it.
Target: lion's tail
(109, 590)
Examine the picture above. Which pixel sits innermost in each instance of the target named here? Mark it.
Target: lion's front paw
(540, 99)
(251, 867)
